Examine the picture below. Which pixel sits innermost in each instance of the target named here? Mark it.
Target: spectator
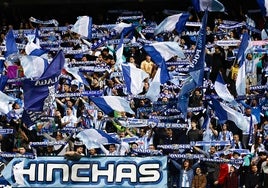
(199, 180)
(211, 168)
(236, 143)
(186, 173)
(77, 153)
(194, 134)
(251, 127)
(69, 120)
(232, 178)
(254, 178)
(148, 66)
(264, 171)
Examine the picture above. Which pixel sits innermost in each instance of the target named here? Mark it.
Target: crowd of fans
(73, 114)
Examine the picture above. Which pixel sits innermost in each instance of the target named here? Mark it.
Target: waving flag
(196, 69)
(154, 89)
(83, 26)
(241, 76)
(222, 90)
(36, 91)
(207, 131)
(33, 49)
(92, 138)
(4, 102)
(263, 4)
(121, 27)
(120, 58)
(33, 66)
(170, 23)
(133, 78)
(75, 71)
(225, 113)
(160, 52)
(11, 46)
(109, 104)
(211, 5)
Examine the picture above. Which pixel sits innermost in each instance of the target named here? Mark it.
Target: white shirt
(254, 121)
(71, 118)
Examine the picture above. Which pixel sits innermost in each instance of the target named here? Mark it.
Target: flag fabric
(121, 27)
(175, 22)
(11, 46)
(241, 76)
(165, 50)
(83, 26)
(3, 82)
(120, 58)
(92, 138)
(37, 91)
(34, 50)
(160, 52)
(154, 89)
(196, 69)
(207, 131)
(263, 4)
(75, 71)
(224, 113)
(211, 5)
(222, 90)
(4, 102)
(133, 78)
(33, 66)
(109, 104)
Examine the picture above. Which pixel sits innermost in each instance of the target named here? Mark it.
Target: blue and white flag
(120, 27)
(33, 66)
(154, 89)
(263, 4)
(166, 50)
(241, 76)
(161, 52)
(211, 5)
(4, 102)
(175, 22)
(92, 138)
(109, 104)
(120, 58)
(83, 26)
(77, 74)
(36, 91)
(206, 131)
(35, 50)
(222, 90)
(225, 113)
(11, 46)
(196, 69)
(134, 78)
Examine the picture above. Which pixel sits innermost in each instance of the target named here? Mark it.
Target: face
(22, 150)
(254, 168)
(212, 150)
(134, 146)
(80, 149)
(198, 171)
(111, 148)
(186, 163)
(92, 151)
